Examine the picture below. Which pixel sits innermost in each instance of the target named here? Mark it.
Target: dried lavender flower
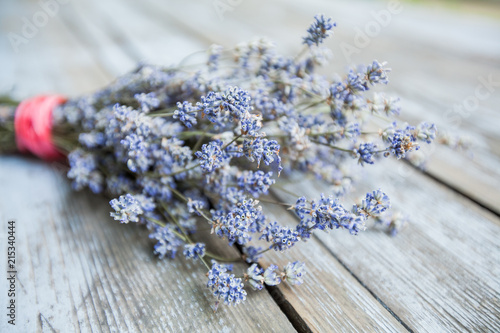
(184, 146)
(294, 272)
(319, 30)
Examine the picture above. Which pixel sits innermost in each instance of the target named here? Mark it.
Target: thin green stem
(182, 197)
(333, 147)
(183, 170)
(233, 140)
(381, 117)
(8, 101)
(312, 105)
(183, 61)
(284, 190)
(185, 135)
(275, 202)
(204, 262)
(186, 236)
(161, 224)
(63, 144)
(188, 240)
(200, 139)
(301, 53)
(318, 110)
(284, 135)
(219, 258)
(325, 133)
(155, 221)
(177, 193)
(160, 113)
(312, 227)
(381, 151)
(304, 90)
(263, 251)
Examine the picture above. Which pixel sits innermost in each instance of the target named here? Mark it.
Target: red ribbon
(33, 126)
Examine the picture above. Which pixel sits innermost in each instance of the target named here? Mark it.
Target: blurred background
(423, 37)
(445, 54)
(439, 274)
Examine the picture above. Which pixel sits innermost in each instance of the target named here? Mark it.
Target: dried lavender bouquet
(207, 141)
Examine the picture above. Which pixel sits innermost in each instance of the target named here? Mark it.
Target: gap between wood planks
(434, 178)
(475, 182)
(56, 246)
(432, 249)
(295, 319)
(290, 312)
(453, 188)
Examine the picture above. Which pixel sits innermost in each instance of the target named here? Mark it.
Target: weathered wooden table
(80, 271)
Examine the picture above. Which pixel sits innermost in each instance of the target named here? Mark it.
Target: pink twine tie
(33, 126)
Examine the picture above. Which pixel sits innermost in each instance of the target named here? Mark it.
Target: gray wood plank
(41, 63)
(221, 38)
(424, 74)
(441, 272)
(425, 61)
(333, 299)
(219, 33)
(77, 269)
(330, 298)
(152, 41)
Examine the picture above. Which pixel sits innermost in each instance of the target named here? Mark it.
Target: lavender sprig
(193, 150)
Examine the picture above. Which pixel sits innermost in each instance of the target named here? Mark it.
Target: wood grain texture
(425, 63)
(323, 305)
(77, 269)
(44, 64)
(425, 59)
(441, 272)
(83, 272)
(330, 297)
